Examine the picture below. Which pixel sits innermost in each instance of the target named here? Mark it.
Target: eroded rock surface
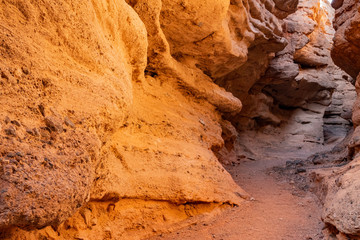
(302, 94)
(346, 42)
(113, 112)
(111, 120)
(82, 126)
(339, 185)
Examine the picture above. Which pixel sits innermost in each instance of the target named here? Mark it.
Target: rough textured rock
(51, 68)
(117, 125)
(346, 42)
(301, 92)
(227, 153)
(342, 190)
(82, 126)
(45, 178)
(218, 38)
(305, 100)
(339, 185)
(269, 38)
(111, 123)
(337, 116)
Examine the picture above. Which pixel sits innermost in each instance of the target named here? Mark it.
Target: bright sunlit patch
(325, 2)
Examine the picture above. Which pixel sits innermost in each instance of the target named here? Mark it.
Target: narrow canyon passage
(277, 210)
(179, 119)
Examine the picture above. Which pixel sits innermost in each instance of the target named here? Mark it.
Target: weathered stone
(88, 61)
(227, 152)
(11, 131)
(139, 78)
(337, 3)
(300, 76)
(341, 205)
(346, 47)
(68, 122)
(287, 6)
(54, 124)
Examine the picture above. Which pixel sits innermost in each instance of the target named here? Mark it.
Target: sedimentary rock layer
(346, 42)
(112, 122)
(300, 85)
(341, 205)
(110, 114)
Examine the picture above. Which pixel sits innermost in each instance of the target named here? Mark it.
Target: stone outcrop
(346, 42)
(113, 113)
(306, 101)
(340, 184)
(301, 93)
(87, 124)
(269, 38)
(110, 116)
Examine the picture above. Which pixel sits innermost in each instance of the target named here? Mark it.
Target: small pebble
(29, 131)
(25, 70)
(12, 161)
(69, 123)
(54, 124)
(300, 170)
(93, 222)
(36, 132)
(11, 155)
(7, 120)
(107, 231)
(3, 75)
(42, 109)
(20, 154)
(10, 131)
(16, 123)
(111, 207)
(17, 73)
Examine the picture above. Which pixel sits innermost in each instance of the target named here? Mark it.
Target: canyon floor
(278, 210)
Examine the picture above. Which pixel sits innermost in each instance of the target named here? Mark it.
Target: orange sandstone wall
(109, 115)
(341, 204)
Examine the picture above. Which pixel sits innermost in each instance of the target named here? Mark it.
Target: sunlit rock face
(346, 42)
(216, 39)
(111, 105)
(269, 38)
(87, 123)
(112, 115)
(301, 92)
(341, 184)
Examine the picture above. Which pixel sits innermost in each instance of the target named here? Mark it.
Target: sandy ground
(274, 213)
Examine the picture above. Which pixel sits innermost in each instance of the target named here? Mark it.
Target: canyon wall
(302, 99)
(341, 184)
(110, 120)
(116, 114)
(346, 46)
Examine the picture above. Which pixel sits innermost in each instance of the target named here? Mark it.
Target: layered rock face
(346, 46)
(302, 97)
(341, 184)
(110, 119)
